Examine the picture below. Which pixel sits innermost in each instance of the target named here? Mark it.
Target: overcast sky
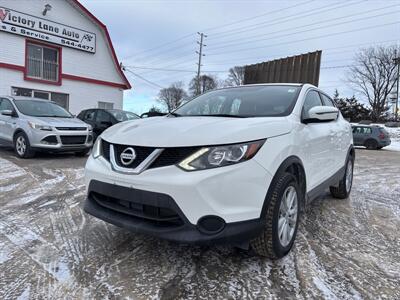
(162, 34)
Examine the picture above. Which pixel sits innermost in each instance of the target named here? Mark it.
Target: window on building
(105, 105)
(59, 98)
(42, 62)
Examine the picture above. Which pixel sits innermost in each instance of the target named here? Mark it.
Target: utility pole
(200, 53)
(397, 62)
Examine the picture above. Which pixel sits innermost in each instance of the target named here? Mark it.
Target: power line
(226, 43)
(307, 39)
(144, 79)
(281, 20)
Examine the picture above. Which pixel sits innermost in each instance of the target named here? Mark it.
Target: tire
(343, 189)
(371, 144)
(82, 153)
(22, 147)
(270, 243)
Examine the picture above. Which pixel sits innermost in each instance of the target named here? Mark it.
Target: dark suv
(101, 119)
(372, 137)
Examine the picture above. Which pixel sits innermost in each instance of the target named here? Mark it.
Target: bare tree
(374, 75)
(235, 76)
(206, 83)
(172, 96)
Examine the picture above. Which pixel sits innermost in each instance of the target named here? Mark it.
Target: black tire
(371, 144)
(28, 152)
(82, 153)
(342, 191)
(268, 242)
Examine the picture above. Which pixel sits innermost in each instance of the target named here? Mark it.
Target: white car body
(237, 192)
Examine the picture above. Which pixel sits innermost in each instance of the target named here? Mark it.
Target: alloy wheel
(20, 145)
(288, 212)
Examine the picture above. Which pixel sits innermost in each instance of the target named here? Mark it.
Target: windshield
(36, 108)
(250, 101)
(121, 115)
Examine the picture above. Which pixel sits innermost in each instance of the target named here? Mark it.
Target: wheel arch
(294, 166)
(18, 130)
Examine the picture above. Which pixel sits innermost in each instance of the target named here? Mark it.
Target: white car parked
(235, 165)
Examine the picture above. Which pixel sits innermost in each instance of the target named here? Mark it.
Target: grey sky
(262, 30)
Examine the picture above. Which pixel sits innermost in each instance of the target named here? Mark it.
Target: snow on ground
(394, 133)
(51, 249)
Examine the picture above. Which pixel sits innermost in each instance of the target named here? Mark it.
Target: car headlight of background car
(220, 156)
(40, 127)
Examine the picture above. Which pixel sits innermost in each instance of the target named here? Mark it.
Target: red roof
(104, 28)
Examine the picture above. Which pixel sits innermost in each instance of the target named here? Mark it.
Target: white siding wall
(98, 66)
(81, 95)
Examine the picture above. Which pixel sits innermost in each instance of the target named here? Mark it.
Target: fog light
(211, 224)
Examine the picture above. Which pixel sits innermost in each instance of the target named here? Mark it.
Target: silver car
(32, 125)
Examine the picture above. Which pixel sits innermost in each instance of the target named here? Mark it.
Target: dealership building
(57, 50)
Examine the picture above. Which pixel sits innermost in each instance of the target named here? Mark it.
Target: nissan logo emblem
(127, 156)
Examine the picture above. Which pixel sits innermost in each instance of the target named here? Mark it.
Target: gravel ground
(49, 248)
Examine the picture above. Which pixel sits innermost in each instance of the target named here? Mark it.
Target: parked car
(235, 165)
(152, 114)
(32, 125)
(372, 137)
(101, 119)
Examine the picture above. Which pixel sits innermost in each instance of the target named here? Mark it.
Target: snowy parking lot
(49, 248)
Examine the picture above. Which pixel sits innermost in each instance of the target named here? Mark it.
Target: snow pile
(394, 133)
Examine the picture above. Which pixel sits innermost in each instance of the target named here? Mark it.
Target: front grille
(141, 154)
(73, 139)
(173, 156)
(169, 156)
(160, 216)
(71, 128)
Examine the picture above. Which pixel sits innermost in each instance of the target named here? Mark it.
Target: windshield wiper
(175, 114)
(225, 115)
(56, 116)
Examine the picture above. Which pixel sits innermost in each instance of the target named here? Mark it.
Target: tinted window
(102, 116)
(41, 109)
(89, 115)
(326, 100)
(121, 115)
(5, 104)
(250, 101)
(362, 130)
(312, 99)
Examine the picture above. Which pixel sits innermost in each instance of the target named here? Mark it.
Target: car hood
(59, 122)
(195, 131)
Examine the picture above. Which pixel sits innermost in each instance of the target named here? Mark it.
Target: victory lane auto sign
(37, 28)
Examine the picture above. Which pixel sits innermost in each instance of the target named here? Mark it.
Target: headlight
(40, 127)
(220, 156)
(96, 151)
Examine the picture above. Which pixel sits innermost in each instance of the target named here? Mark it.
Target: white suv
(235, 165)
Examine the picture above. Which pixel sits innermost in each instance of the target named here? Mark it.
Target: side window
(102, 116)
(89, 116)
(5, 104)
(367, 130)
(357, 130)
(326, 100)
(312, 99)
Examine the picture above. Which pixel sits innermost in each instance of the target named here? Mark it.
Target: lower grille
(51, 139)
(71, 128)
(73, 139)
(160, 216)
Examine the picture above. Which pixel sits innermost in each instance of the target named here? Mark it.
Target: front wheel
(343, 189)
(282, 219)
(22, 147)
(371, 145)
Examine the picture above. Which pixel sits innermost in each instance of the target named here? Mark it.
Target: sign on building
(302, 68)
(23, 24)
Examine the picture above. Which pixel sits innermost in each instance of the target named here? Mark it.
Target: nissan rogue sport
(235, 165)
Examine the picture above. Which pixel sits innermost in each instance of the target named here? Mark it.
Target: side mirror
(321, 114)
(8, 112)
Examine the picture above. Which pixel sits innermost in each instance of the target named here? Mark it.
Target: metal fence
(302, 68)
(42, 69)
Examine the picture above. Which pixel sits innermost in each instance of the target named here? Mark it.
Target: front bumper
(53, 140)
(235, 194)
(173, 227)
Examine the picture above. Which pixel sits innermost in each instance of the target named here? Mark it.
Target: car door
(357, 136)
(7, 123)
(315, 144)
(339, 135)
